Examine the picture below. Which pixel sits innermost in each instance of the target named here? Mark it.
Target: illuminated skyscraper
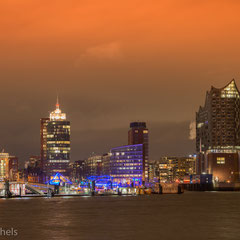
(58, 143)
(138, 134)
(218, 133)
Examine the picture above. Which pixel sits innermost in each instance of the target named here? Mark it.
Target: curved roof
(224, 94)
(231, 82)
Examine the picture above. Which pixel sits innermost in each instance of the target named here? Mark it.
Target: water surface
(192, 215)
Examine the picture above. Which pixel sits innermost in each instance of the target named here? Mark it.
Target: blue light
(59, 178)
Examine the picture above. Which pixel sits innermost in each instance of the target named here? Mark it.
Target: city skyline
(153, 65)
(106, 148)
(120, 119)
(100, 149)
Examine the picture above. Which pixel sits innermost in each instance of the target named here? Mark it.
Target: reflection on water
(192, 215)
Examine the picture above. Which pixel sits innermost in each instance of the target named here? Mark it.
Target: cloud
(192, 130)
(105, 52)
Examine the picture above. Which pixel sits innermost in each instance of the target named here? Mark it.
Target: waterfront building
(218, 134)
(167, 169)
(138, 134)
(58, 144)
(185, 167)
(126, 163)
(4, 166)
(172, 169)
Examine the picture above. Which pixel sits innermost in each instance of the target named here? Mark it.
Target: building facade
(126, 163)
(218, 133)
(167, 169)
(58, 144)
(138, 134)
(172, 169)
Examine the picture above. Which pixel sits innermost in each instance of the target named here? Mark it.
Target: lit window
(220, 160)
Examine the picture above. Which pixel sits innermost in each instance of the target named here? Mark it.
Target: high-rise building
(43, 141)
(138, 134)
(126, 163)
(58, 143)
(218, 133)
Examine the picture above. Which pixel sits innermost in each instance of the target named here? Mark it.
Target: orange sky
(113, 62)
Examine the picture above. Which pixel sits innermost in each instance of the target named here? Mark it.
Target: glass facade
(126, 162)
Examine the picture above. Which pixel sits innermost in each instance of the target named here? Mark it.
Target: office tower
(218, 133)
(138, 134)
(4, 166)
(43, 141)
(126, 164)
(58, 143)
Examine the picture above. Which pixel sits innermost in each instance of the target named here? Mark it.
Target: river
(192, 215)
